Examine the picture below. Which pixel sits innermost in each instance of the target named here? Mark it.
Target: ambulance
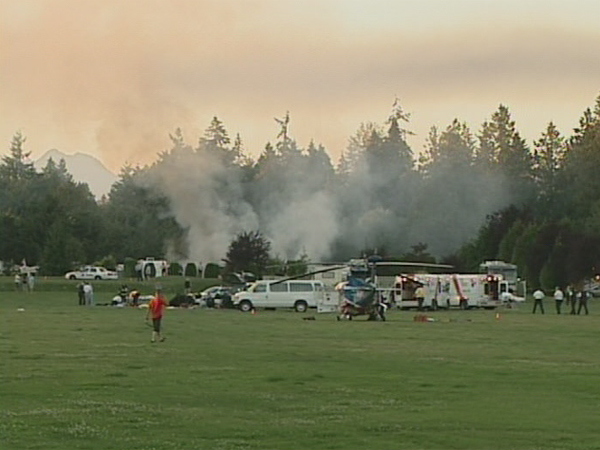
(462, 291)
(437, 291)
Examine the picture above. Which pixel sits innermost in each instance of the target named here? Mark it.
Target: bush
(175, 269)
(191, 270)
(212, 270)
(129, 264)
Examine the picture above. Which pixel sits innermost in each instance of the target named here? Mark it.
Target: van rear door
(305, 290)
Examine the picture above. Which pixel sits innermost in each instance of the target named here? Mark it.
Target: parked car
(92, 273)
(592, 286)
(217, 296)
(594, 290)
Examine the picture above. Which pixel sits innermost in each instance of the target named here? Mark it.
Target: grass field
(88, 378)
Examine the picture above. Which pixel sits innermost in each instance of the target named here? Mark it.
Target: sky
(112, 78)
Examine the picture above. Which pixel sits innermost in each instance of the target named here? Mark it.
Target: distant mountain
(84, 169)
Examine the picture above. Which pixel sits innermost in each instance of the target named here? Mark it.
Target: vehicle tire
(245, 306)
(97, 278)
(300, 306)
(72, 277)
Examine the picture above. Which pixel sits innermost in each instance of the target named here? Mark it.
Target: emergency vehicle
(462, 291)
(437, 289)
(478, 290)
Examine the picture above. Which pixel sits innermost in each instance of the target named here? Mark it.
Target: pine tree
(17, 165)
(548, 156)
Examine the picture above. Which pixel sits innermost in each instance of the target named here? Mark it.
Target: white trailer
(436, 286)
(450, 290)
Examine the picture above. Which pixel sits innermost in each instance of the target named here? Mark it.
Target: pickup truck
(92, 273)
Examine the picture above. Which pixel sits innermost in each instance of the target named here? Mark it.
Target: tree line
(466, 198)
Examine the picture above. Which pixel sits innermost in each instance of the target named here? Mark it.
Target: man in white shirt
(88, 292)
(538, 299)
(558, 298)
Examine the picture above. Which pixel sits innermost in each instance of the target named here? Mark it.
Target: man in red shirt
(156, 307)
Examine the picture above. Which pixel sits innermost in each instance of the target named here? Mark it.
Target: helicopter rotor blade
(413, 264)
(295, 277)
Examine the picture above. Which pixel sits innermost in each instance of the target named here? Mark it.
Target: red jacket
(157, 306)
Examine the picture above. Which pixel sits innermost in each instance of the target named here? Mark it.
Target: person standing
(156, 308)
(80, 294)
(187, 285)
(583, 299)
(88, 292)
(558, 298)
(31, 281)
(17, 281)
(420, 296)
(571, 298)
(135, 297)
(538, 299)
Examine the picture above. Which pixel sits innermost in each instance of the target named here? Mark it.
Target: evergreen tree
(549, 154)
(451, 150)
(581, 181)
(502, 150)
(216, 141)
(17, 165)
(249, 251)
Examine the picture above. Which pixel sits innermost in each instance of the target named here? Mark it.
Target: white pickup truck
(92, 273)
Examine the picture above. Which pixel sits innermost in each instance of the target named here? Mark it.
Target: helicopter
(358, 293)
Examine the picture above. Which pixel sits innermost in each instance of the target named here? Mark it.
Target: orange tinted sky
(113, 77)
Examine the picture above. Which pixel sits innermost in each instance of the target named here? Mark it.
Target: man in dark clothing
(583, 302)
(571, 299)
(80, 294)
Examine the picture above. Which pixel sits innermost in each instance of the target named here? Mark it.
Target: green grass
(171, 284)
(88, 378)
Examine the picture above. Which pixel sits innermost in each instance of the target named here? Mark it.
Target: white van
(297, 294)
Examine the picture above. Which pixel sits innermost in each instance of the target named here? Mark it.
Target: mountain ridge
(84, 168)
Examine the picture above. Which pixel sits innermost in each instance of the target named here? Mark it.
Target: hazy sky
(113, 78)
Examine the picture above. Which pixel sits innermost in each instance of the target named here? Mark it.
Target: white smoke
(206, 200)
(303, 215)
(305, 226)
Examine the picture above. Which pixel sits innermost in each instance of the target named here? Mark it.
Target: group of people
(572, 297)
(25, 281)
(85, 294)
(126, 297)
